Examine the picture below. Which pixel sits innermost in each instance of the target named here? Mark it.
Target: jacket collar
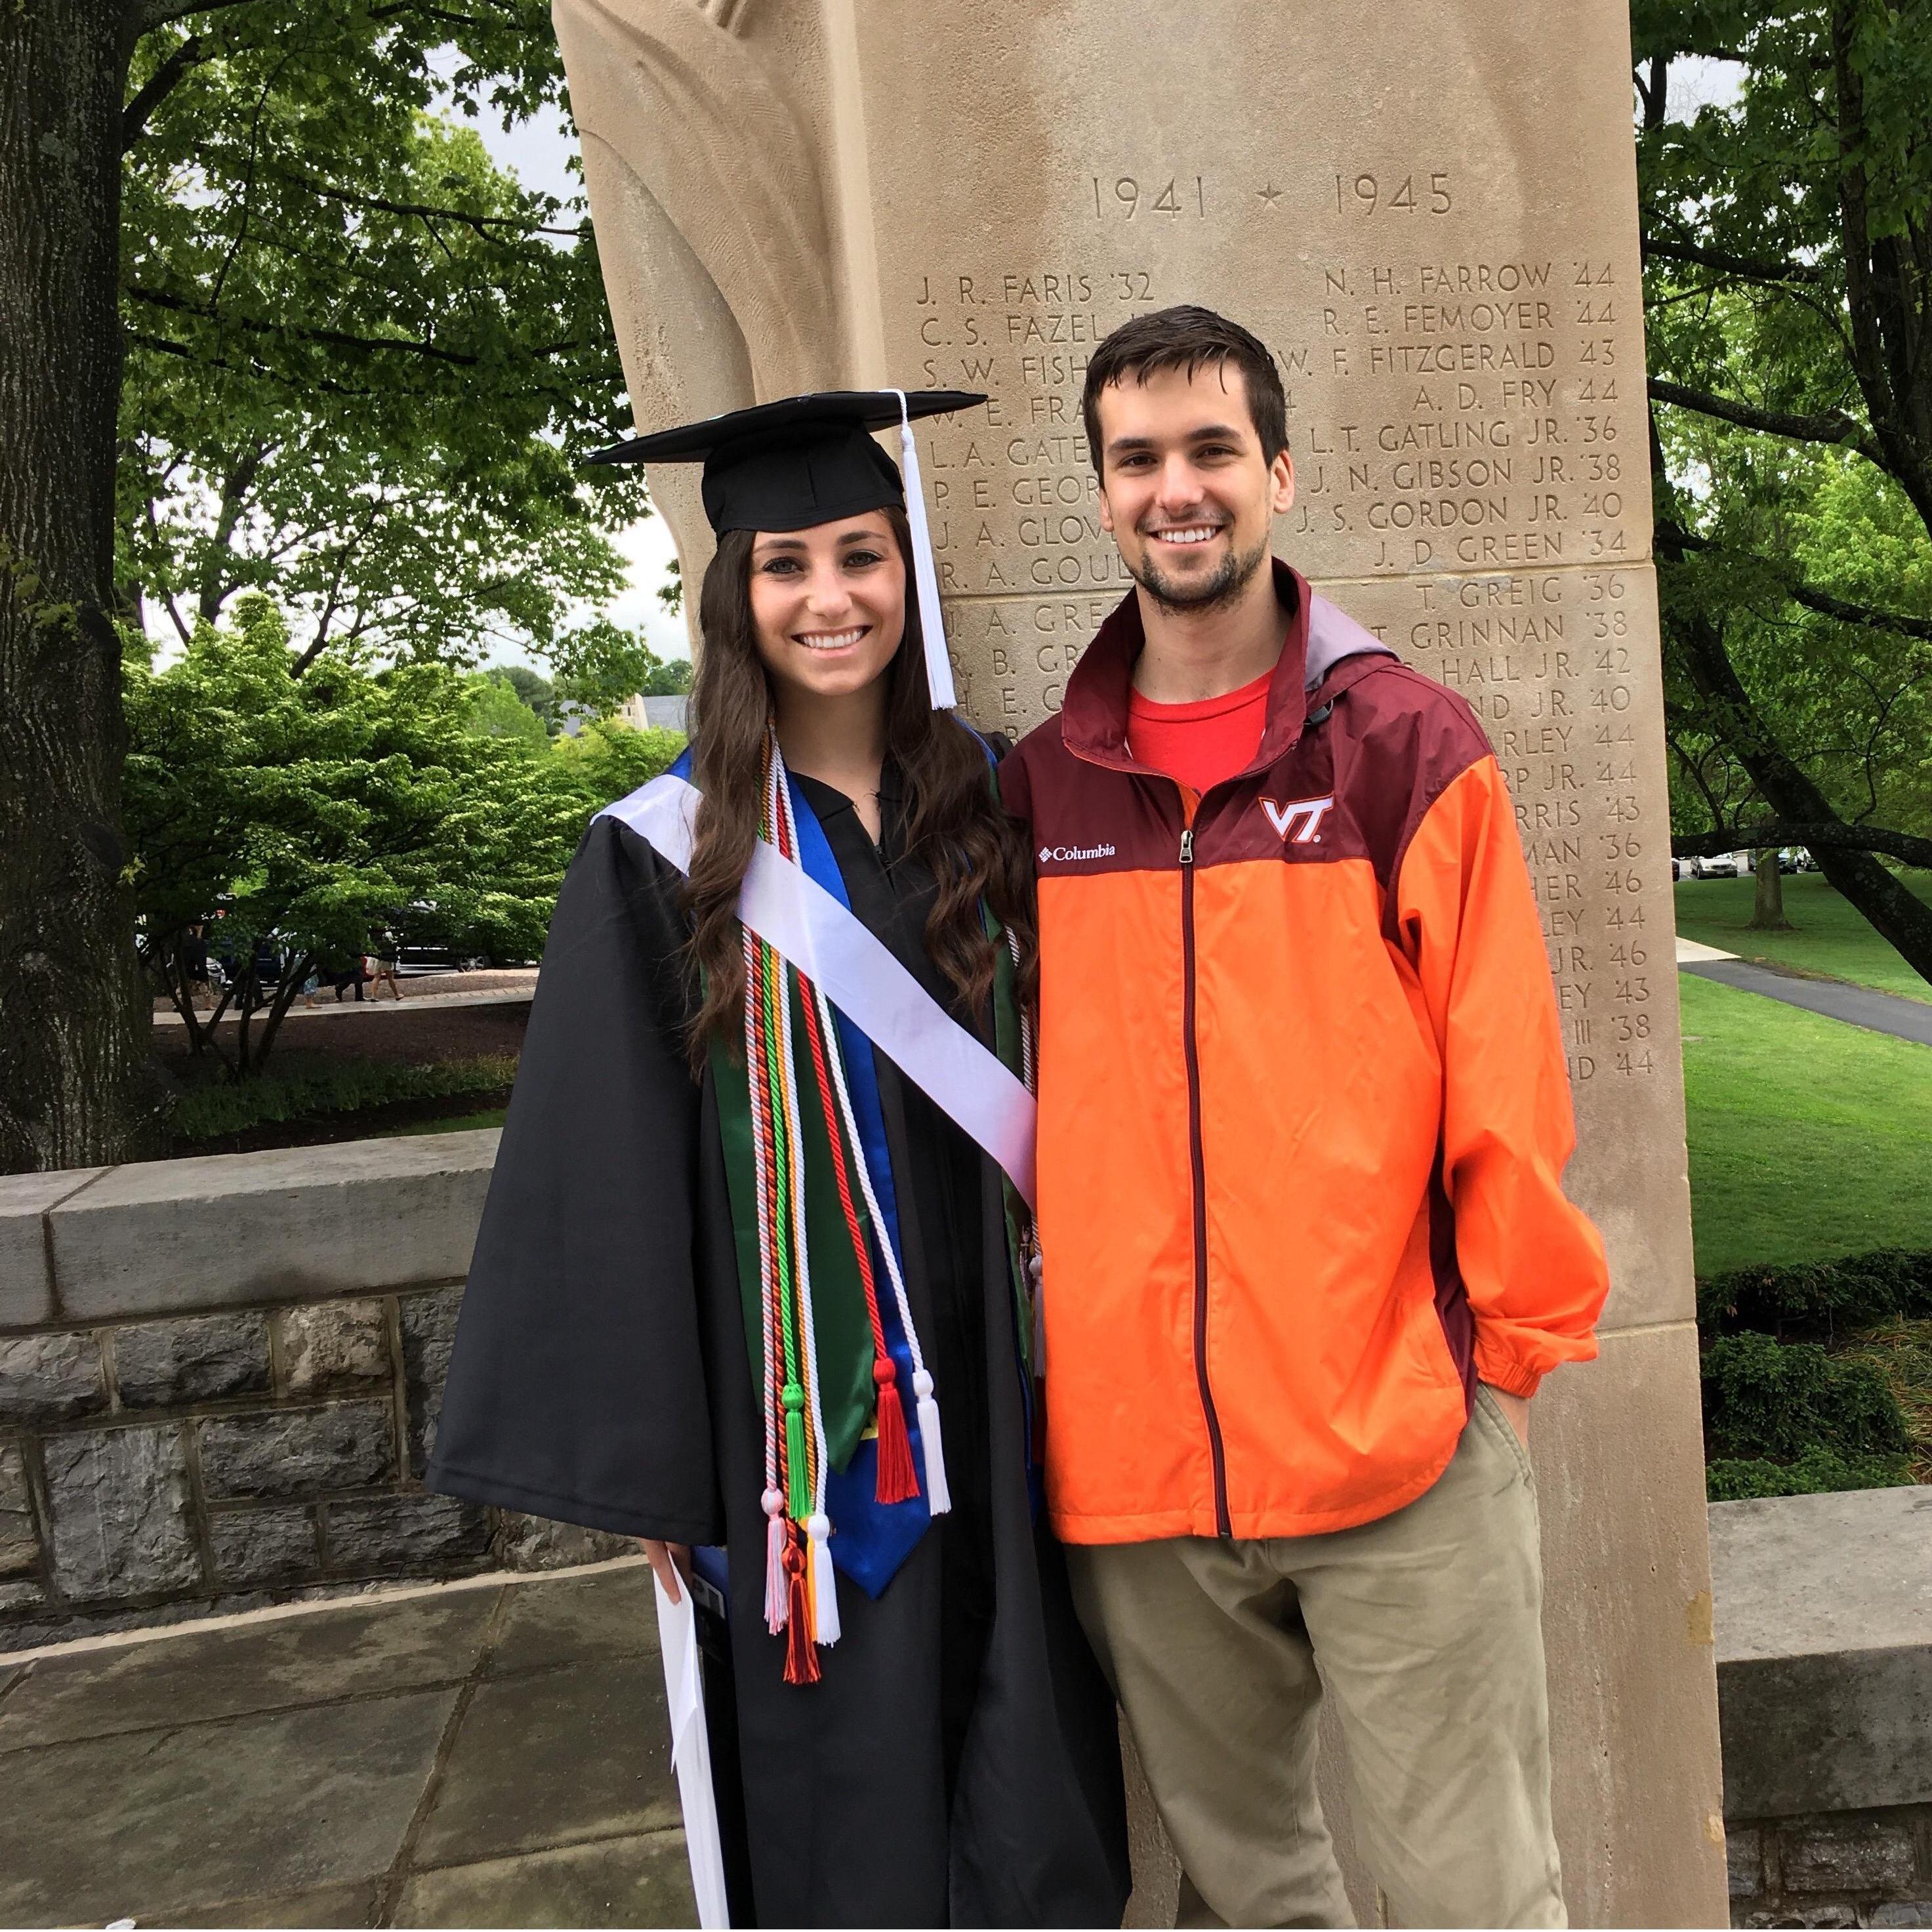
(1094, 713)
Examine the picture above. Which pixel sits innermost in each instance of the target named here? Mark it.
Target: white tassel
(938, 1497)
(1037, 1271)
(938, 664)
(824, 1587)
(775, 1575)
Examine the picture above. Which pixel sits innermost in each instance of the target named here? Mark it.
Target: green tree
(359, 363)
(607, 760)
(602, 664)
(463, 370)
(1787, 240)
(534, 689)
(306, 813)
(496, 711)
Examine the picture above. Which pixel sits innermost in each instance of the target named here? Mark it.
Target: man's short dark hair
(1187, 338)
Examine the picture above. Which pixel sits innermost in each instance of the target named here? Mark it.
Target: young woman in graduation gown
(734, 1267)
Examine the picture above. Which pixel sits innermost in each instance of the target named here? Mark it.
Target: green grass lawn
(1831, 940)
(1809, 1138)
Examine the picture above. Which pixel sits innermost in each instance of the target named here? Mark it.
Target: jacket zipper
(1223, 1523)
(1198, 1161)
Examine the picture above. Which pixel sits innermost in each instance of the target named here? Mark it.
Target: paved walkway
(491, 1754)
(1857, 1006)
(507, 988)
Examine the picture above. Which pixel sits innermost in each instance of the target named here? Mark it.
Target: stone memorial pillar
(1429, 214)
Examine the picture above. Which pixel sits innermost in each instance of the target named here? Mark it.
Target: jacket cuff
(1499, 1371)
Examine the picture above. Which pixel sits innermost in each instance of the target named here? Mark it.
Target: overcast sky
(539, 151)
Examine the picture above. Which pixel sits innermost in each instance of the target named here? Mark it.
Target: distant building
(654, 714)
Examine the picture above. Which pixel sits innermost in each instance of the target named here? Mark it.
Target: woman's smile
(831, 640)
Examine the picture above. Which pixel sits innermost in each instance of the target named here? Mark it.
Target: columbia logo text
(1063, 855)
(1299, 821)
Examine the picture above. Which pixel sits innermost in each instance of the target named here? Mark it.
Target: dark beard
(1224, 587)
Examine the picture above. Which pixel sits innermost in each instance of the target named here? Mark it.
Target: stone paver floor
(489, 1754)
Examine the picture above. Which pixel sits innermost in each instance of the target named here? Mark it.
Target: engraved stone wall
(1429, 215)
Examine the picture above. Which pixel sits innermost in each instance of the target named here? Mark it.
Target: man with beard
(1303, 1119)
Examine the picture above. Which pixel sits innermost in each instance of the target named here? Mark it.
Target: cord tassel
(796, 1477)
(1036, 1271)
(775, 1575)
(801, 1657)
(824, 1580)
(897, 1484)
(938, 1497)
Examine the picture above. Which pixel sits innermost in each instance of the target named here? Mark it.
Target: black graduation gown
(958, 1761)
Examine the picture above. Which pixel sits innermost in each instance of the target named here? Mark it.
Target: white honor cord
(938, 1497)
(938, 664)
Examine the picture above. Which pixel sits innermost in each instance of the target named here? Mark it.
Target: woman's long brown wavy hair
(954, 824)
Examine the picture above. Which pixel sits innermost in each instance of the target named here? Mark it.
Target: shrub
(1901, 1351)
(1818, 1297)
(1817, 1471)
(1777, 1400)
(219, 1108)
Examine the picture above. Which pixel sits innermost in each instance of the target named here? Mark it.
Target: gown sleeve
(577, 1386)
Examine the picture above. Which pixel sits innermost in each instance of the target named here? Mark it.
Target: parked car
(414, 959)
(1796, 859)
(1724, 865)
(428, 941)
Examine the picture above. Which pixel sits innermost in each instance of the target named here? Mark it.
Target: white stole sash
(828, 943)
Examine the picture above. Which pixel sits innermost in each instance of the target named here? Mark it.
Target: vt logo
(1300, 819)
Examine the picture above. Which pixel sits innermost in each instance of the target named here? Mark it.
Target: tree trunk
(1885, 282)
(173, 966)
(1897, 913)
(246, 1005)
(76, 1084)
(285, 998)
(1767, 915)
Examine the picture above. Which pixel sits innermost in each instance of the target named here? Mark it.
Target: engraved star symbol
(1270, 194)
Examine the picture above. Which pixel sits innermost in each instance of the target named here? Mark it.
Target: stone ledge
(1824, 1628)
(26, 1295)
(298, 1224)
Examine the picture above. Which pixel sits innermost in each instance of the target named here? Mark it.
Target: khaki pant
(1424, 1628)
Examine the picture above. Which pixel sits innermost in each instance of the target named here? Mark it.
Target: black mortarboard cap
(798, 462)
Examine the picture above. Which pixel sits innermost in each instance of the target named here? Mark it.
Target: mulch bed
(326, 1129)
(424, 1037)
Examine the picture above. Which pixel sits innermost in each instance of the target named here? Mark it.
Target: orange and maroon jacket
(1303, 1107)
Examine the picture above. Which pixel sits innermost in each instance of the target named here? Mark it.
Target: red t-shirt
(1200, 743)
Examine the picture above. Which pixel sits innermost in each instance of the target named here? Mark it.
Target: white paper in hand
(691, 1752)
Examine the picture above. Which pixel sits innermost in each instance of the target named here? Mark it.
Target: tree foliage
(603, 663)
(308, 813)
(535, 691)
(607, 760)
(1788, 251)
(497, 709)
(365, 366)
(272, 321)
